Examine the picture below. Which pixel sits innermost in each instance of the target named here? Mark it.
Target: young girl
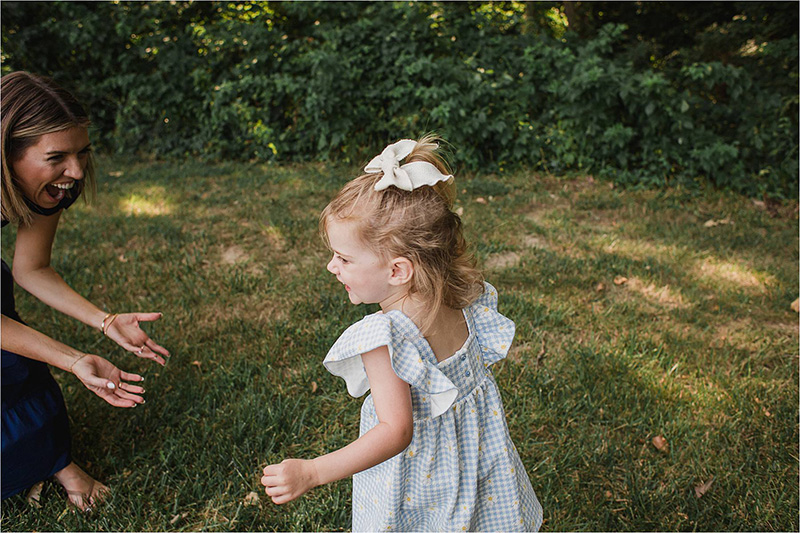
(434, 451)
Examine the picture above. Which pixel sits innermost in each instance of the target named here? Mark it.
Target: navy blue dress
(35, 429)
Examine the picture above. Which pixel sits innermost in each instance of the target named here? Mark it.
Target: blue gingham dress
(461, 471)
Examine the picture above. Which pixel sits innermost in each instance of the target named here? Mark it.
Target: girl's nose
(330, 266)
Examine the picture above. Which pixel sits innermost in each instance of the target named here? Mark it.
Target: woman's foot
(83, 491)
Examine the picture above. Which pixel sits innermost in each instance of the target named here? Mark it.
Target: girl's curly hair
(419, 225)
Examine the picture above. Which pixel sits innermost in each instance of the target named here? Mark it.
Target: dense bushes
(299, 81)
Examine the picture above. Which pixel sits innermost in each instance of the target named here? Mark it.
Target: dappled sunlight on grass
(662, 297)
(638, 249)
(633, 321)
(152, 201)
(731, 275)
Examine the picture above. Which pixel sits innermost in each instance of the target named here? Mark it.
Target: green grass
(699, 346)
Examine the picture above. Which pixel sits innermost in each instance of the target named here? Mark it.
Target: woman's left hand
(125, 331)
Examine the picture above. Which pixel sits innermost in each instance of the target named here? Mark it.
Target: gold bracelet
(103, 323)
(106, 326)
(75, 361)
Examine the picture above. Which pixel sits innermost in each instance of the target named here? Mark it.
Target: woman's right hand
(107, 381)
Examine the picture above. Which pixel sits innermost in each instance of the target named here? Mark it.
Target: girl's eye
(343, 260)
(54, 158)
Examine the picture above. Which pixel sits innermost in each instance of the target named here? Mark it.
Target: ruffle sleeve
(494, 332)
(374, 331)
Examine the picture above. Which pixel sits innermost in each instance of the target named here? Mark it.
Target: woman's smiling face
(48, 169)
(365, 275)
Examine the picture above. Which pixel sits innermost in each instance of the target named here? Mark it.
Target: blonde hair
(33, 106)
(418, 225)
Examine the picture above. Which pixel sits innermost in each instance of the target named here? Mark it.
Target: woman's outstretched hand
(107, 381)
(125, 331)
(289, 480)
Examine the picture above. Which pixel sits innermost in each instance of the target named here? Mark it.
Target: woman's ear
(402, 271)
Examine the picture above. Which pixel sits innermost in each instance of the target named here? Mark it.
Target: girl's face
(46, 170)
(365, 275)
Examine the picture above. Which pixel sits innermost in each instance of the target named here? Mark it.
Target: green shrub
(337, 80)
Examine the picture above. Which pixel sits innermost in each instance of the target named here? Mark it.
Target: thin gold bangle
(103, 323)
(113, 318)
(75, 361)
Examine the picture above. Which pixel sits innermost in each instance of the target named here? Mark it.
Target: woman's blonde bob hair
(33, 106)
(418, 225)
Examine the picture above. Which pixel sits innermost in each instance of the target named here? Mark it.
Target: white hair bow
(407, 177)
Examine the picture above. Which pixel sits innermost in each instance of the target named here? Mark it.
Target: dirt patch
(535, 241)
(502, 261)
(233, 255)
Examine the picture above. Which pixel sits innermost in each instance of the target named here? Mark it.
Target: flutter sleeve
(493, 331)
(374, 331)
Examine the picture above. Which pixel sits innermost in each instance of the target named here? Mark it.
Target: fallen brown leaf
(796, 305)
(660, 443)
(314, 387)
(174, 519)
(600, 287)
(480, 200)
(701, 489)
(712, 223)
(251, 499)
(620, 280)
(196, 363)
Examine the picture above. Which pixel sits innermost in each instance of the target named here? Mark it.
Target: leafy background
(641, 93)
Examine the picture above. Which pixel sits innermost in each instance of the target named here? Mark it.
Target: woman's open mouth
(57, 191)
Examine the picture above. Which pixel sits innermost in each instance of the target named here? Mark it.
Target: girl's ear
(402, 271)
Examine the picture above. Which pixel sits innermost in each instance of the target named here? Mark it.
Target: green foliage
(626, 99)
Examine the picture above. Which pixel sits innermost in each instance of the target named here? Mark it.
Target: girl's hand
(289, 480)
(125, 331)
(104, 379)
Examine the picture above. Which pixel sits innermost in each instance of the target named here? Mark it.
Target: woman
(46, 164)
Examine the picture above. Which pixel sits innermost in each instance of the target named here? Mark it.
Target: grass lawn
(643, 318)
